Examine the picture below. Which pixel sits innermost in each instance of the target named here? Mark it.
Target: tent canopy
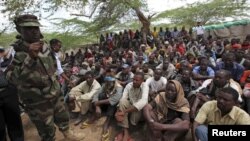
(227, 24)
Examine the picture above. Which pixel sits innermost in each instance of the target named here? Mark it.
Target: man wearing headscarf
(167, 115)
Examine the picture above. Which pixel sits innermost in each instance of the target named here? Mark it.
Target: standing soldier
(33, 72)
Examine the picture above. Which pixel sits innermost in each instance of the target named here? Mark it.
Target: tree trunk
(145, 24)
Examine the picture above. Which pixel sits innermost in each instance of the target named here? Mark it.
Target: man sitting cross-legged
(167, 115)
(82, 94)
(105, 103)
(134, 98)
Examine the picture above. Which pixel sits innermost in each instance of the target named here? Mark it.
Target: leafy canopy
(208, 12)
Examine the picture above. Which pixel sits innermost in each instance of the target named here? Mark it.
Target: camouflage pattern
(39, 90)
(26, 20)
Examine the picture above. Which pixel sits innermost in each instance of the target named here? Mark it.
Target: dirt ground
(93, 133)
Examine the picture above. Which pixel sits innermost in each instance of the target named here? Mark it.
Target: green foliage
(7, 39)
(103, 15)
(68, 39)
(210, 12)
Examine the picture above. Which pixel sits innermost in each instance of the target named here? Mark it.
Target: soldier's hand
(35, 48)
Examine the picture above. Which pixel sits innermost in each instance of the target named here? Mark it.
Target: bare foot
(126, 135)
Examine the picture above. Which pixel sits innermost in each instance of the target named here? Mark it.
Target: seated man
(134, 98)
(156, 84)
(125, 76)
(83, 94)
(223, 111)
(228, 63)
(147, 71)
(168, 115)
(167, 68)
(245, 83)
(105, 102)
(187, 82)
(203, 71)
(209, 88)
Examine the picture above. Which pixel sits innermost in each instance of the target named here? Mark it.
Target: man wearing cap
(33, 72)
(105, 103)
(125, 76)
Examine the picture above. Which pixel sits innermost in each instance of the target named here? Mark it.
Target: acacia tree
(103, 13)
(206, 12)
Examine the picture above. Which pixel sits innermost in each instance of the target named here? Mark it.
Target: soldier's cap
(27, 20)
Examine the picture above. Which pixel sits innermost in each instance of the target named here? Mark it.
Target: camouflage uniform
(38, 88)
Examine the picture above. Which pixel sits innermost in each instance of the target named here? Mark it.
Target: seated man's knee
(124, 103)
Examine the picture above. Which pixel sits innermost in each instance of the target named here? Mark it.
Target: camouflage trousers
(45, 114)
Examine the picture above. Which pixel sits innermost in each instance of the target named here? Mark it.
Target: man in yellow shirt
(220, 112)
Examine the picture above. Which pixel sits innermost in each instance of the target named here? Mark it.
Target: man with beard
(209, 88)
(33, 72)
(223, 111)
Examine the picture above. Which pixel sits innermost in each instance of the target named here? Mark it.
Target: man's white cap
(166, 42)
(142, 45)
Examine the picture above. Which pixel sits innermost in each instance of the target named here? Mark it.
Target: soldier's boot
(72, 136)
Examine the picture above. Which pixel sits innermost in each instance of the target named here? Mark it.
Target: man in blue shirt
(228, 63)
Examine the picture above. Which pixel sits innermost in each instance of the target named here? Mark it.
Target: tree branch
(2, 31)
(91, 14)
(151, 16)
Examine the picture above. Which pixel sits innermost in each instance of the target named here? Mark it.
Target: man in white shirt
(167, 68)
(156, 84)
(56, 45)
(134, 98)
(83, 94)
(200, 30)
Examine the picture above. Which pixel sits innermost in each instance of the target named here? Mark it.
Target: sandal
(119, 137)
(85, 125)
(106, 136)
